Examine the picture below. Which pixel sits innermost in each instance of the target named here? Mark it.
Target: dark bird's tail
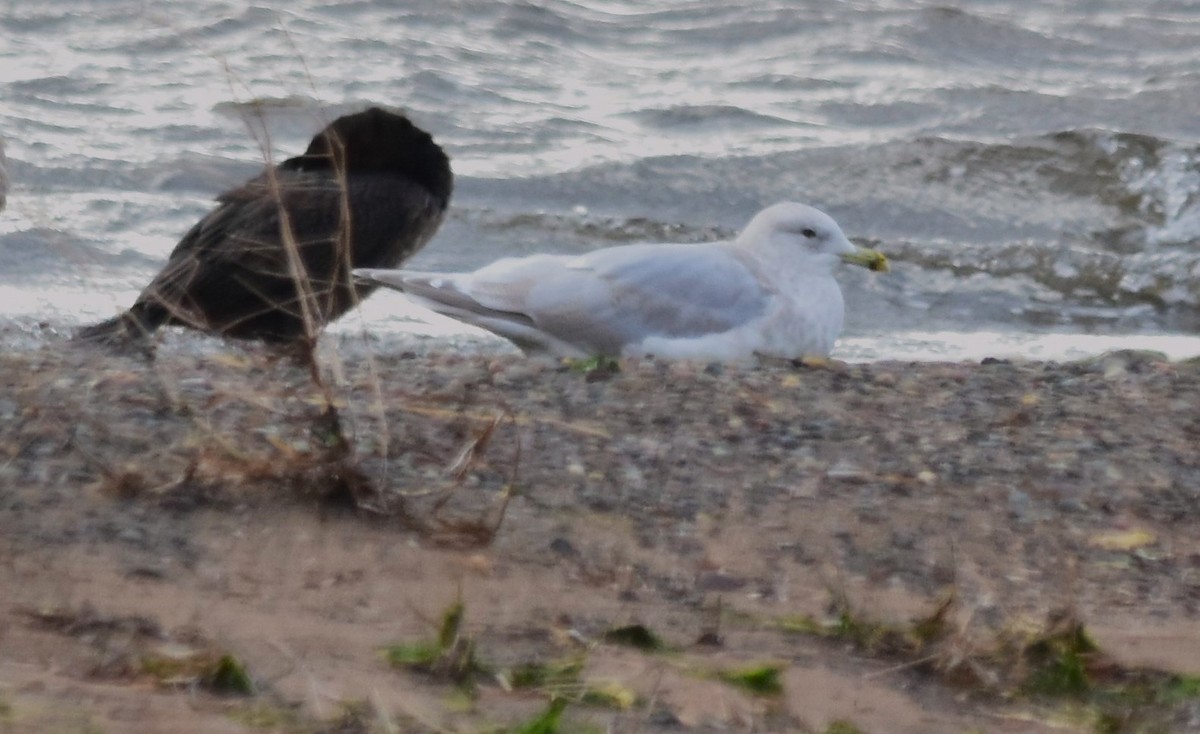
(131, 327)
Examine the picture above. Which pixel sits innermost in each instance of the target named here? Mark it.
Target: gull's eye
(808, 232)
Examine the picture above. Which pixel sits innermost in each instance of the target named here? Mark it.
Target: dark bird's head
(379, 141)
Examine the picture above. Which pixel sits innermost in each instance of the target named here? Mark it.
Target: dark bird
(273, 260)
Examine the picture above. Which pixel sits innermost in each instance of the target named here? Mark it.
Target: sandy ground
(202, 505)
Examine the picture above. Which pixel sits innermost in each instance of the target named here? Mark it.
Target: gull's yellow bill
(872, 260)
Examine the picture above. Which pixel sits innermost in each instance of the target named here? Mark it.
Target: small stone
(886, 379)
(719, 581)
(1072, 504)
(1019, 504)
(845, 469)
(563, 547)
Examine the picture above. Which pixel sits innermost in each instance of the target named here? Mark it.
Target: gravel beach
(212, 494)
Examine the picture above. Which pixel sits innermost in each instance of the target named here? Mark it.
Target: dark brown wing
(275, 253)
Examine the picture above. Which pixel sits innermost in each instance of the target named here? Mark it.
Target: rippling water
(1034, 172)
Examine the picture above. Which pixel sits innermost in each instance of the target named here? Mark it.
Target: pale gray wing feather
(623, 295)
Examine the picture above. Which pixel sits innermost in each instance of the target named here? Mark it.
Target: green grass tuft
(414, 654)
(547, 722)
(450, 656)
(554, 675)
(1059, 662)
(594, 366)
(637, 636)
(1181, 688)
(451, 625)
(229, 676)
(761, 680)
(841, 726)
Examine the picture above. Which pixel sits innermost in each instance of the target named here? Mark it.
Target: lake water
(1033, 171)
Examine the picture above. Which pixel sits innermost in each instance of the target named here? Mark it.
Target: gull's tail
(438, 291)
(397, 279)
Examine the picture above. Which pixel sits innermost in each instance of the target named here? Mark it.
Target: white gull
(770, 292)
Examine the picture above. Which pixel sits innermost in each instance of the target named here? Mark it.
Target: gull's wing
(597, 303)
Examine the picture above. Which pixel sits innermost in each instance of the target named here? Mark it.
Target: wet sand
(209, 498)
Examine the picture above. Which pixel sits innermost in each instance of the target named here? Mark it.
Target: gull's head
(793, 230)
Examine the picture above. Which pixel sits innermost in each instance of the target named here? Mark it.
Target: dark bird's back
(273, 260)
